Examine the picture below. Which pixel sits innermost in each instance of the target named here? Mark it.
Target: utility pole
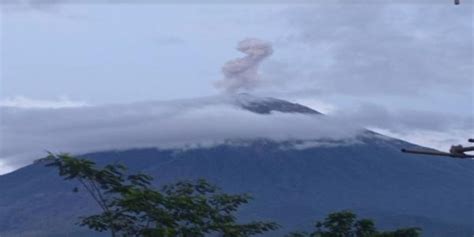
(456, 151)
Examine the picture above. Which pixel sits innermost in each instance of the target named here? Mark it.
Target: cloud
(434, 139)
(28, 133)
(417, 54)
(433, 129)
(39, 5)
(405, 120)
(242, 73)
(397, 49)
(24, 102)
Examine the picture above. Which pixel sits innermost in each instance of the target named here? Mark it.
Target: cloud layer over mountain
(412, 59)
(28, 133)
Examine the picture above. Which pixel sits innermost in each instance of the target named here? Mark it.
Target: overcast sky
(405, 69)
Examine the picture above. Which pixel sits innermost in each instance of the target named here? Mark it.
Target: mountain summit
(266, 105)
(293, 182)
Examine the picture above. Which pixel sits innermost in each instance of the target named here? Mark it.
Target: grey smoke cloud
(242, 73)
(27, 133)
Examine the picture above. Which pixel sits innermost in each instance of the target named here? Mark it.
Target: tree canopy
(131, 206)
(346, 224)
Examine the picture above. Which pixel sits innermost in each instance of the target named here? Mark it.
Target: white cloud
(328, 143)
(24, 102)
(4, 168)
(28, 133)
(405, 120)
(432, 129)
(316, 104)
(434, 139)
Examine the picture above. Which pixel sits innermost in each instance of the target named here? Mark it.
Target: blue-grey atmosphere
(355, 113)
(402, 69)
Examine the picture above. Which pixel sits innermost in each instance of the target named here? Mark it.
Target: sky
(404, 69)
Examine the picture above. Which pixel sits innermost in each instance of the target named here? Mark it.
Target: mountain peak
(267, 105)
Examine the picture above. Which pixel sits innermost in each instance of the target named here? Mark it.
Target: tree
(404, 232)
(131, 206)
(345, 224)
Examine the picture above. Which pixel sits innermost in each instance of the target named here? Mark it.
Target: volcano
(293, 182)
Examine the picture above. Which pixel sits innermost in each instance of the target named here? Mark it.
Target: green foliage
(345, 224)
(338, 224)
(132, 207)
(365, 228)
(405, 232)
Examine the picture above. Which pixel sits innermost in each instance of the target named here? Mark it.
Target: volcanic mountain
(293, 182)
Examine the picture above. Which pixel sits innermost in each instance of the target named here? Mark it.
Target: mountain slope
(293, 182)
(267, 105)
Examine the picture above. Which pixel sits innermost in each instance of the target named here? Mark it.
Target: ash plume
(242, 73)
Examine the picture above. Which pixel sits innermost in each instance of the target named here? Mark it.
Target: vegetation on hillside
(131, 206)
(346, 224)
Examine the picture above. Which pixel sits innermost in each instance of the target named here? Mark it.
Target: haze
(404, 69)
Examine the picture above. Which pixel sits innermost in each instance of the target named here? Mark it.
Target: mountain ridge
(291, 183)
(266, 105)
